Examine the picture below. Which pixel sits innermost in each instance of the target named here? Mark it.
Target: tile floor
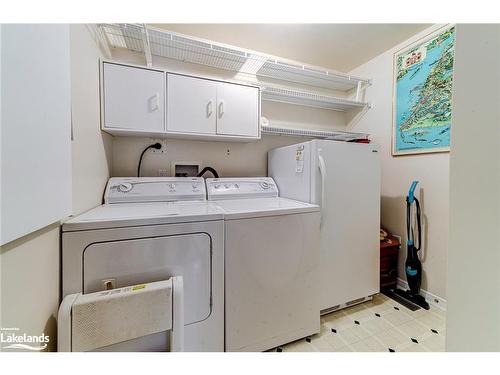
(380, 325)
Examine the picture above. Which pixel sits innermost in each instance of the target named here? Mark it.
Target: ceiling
(336, 46)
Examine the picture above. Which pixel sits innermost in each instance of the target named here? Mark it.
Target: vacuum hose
(409, 229)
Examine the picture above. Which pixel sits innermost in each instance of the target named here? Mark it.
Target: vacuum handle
(411, 192)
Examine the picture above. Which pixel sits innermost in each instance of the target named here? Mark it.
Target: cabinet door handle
(209, 108)
(154, 102)
(221, 108)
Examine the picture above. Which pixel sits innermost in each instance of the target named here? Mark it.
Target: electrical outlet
(162, 172)
(163, 143)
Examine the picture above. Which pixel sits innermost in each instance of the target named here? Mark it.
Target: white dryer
(271, 264)
(151, 229)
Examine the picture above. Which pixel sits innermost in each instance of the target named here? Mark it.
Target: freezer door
(350, 219)
(290, 167)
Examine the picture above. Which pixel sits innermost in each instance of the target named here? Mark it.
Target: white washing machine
(271, 264)
(150, 229)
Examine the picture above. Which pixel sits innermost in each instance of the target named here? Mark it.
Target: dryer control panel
(154, 189)
(241, 188)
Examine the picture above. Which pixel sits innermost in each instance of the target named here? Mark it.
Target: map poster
(423, 78)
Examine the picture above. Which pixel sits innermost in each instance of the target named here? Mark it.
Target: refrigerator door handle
(322, 170)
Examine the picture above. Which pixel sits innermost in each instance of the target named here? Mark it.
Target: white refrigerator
(344, 179)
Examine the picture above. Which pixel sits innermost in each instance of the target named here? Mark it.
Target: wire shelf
(125, 35)
(285, 95)
(310, 76)
(193, 51)
(337, 135)
(199, 51)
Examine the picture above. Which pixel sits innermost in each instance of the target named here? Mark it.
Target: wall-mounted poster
(423, 78)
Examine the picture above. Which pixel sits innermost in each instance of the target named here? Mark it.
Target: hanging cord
(417, 203)
(156, 146)
(409, 227)
(208, 169)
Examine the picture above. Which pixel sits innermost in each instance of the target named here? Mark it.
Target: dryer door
(131, 262)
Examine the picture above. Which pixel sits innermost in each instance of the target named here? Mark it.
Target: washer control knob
(227, 186)
(125, 187)
(216, 186)
(264, 185)
(171, 186)
(195, 186)
(236, 186)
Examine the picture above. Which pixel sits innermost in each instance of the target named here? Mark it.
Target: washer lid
(133, 214)
(259, 207)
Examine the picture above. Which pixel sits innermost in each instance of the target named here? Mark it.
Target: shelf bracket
(358, 91)
(147, 47)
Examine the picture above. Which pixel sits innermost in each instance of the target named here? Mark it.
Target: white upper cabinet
(151, 102)
(35, 142)
(237, 110)
(191, 105)
(134, 99)
(204, 108)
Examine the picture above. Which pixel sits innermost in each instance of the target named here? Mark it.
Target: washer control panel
(241, 188)
(154, 189)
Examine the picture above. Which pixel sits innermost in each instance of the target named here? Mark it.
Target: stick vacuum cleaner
(413, 267)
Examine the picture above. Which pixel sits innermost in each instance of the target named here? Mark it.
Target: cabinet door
(134, 98)
(191, 104)
(35, 141)
(237, 110)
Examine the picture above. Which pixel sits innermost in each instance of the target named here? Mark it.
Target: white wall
(29, 269)
(0, 164)
(432, 170)
(30, 283)
(473, 314)
(230, 159)
(92, 156)
(30, 265)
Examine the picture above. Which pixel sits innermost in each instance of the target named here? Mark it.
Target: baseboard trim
(432, 299)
